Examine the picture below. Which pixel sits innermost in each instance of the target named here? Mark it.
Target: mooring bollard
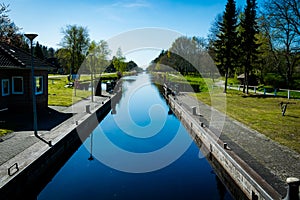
(88, 108)
(293, 189)
(225, 145)
(194, 109)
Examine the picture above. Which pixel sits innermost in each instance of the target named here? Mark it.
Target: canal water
(138, 151)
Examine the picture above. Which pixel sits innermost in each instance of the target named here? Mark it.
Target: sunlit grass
(59, 95)
(262, 114)
(5, 131)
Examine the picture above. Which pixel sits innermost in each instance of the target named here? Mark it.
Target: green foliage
(249, 43)
(227, 42)
(119, 64)
(274, 80)
(76, 43)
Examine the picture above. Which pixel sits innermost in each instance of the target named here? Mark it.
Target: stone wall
(252, 185)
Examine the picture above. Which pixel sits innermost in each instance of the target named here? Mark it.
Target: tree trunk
(226, 77)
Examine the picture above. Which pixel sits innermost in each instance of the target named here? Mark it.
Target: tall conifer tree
(249, 44)
(227, 39)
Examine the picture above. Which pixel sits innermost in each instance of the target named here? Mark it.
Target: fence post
(254, 89)
(239, 87)
(275, 91)
(264, 91)
(288, 94)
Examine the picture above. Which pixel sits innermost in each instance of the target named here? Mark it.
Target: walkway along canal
(28, 170)
(140, 150)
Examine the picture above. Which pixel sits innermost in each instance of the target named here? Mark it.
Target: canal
(140, 150)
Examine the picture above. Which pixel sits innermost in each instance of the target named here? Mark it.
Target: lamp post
(92, 81)
(31, 37)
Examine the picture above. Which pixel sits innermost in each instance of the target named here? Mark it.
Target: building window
(5, 87)
(39, 85)
(17, 85)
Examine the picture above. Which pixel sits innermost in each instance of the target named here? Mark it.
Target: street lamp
(92, 81)
(31, 37)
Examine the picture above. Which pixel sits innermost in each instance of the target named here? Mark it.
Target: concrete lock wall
(30, 180)
(253, 186)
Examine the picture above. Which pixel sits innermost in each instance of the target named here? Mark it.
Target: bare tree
(281, 22)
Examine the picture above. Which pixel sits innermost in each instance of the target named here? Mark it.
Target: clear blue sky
(105, 19)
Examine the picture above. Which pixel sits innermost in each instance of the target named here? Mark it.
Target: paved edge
(24, 159)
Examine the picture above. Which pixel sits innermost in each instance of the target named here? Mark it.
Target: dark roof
(13, 57)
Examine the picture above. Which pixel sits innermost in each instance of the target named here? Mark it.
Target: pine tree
(249, 44)
(227, 41)
(38, 52)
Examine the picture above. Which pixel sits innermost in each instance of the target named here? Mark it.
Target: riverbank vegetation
(257, 45)
(258, 111)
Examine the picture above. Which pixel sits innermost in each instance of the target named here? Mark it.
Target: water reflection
(125, 146)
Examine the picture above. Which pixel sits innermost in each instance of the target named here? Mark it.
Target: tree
(9, 32)
(76, 41)
(227, 41)
(64, 57)
(249, 44)
(119, 61)
(100, 53)
(38, 52)
(281, 25)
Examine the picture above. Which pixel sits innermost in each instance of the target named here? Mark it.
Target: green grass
(262, 114)
(204, 83)
(4, 132)
(59, 95)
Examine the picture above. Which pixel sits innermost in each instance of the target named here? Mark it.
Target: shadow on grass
(292, 116)
(262, 96)
(47, 119)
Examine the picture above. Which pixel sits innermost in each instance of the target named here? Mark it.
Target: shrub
(274, 80)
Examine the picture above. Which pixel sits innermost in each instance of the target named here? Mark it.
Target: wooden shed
(16, 82)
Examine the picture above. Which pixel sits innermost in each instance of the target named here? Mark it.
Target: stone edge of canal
(41, 161)
(250, 182)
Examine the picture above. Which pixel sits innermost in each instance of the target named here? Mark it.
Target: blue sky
(104, 19)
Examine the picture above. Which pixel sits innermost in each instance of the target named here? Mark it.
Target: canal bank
(257, 164)
(30, 163)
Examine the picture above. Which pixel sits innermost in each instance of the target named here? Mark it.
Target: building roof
(13, 57)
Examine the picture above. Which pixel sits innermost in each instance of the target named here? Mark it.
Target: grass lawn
(59, 95)
(4, 132)
(263, 114)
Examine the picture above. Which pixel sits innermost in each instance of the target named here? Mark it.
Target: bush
(274, 80)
